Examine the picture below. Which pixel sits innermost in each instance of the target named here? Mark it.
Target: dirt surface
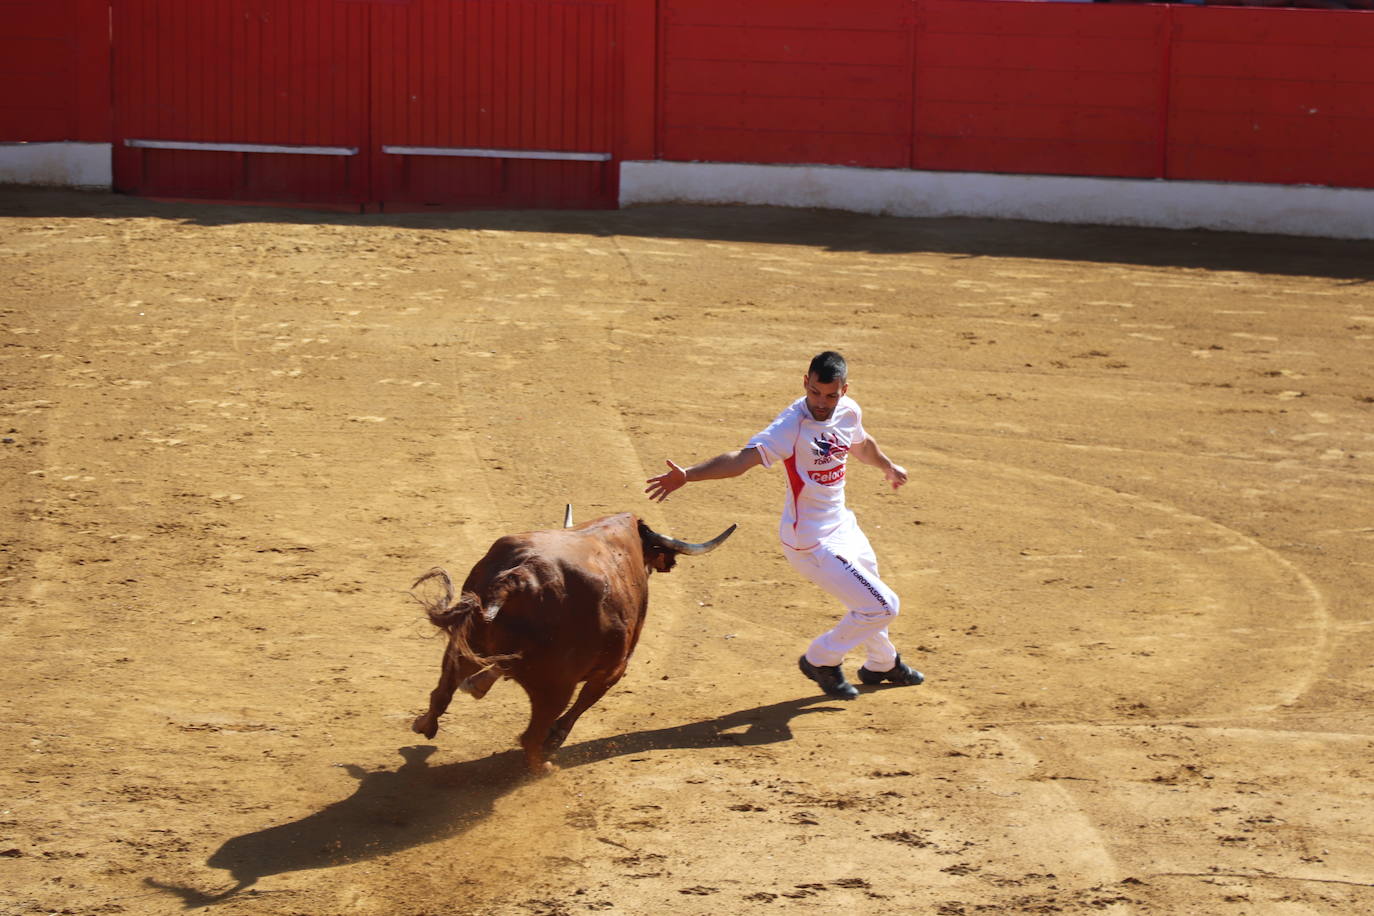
(1135, 560)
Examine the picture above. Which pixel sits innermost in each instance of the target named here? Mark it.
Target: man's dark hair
(828, 367)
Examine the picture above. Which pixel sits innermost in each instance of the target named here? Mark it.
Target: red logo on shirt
(828, 478)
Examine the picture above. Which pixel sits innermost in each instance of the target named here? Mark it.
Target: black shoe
(831, 679)
(900, 674)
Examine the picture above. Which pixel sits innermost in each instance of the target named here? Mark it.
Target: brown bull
(550, 609)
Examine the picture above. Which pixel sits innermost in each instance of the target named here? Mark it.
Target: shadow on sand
(393, 810)
(832, 230)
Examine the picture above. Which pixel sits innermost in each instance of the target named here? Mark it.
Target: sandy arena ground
(1135, 558)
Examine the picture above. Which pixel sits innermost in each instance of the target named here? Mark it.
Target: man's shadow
(393, 810)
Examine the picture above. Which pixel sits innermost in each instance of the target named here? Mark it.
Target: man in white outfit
(813, 439)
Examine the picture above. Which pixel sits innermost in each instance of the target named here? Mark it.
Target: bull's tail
(443, 612)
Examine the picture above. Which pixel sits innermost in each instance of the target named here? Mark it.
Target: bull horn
(567, 516)
(690, 550)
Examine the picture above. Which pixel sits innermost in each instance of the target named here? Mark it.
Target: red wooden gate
(380, 104)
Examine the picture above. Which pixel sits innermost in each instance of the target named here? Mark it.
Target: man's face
(822, 397)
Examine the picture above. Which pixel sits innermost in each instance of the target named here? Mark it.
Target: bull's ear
(662, 560)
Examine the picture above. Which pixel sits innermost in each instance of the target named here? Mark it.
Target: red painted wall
(1052, 88)
(55, 67)
(786, 81)
(1273, 95)
(1148, 90)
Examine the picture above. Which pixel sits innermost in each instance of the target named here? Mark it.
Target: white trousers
(845, 566)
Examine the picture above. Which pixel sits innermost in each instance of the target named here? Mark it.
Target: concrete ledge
(68, 165)
(1271, 209)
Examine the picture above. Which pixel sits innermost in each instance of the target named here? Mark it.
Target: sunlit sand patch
(1362, 533)
(649, 252)
(211, 402)
(979, 286)
(408, 382)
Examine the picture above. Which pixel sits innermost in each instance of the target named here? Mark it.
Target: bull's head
(661, 552)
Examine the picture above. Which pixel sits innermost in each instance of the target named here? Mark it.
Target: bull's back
(582, 591)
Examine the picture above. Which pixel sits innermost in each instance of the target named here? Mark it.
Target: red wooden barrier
(416, 103)
(1300, 112)
(787, 81)
(1053, 88)
(1149, 90)
(55, 67)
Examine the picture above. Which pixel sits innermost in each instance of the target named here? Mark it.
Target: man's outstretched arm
(729, 464)
(868, 452)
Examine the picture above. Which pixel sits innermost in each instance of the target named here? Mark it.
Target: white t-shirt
(814, 453)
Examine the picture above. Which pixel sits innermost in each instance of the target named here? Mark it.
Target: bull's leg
(427, 723)
(594, 689)
(546, 702)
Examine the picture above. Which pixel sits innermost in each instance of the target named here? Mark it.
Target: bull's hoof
(541, 768)
(555, 740)
(424, 725)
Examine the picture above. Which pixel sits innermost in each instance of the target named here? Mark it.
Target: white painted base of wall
(70, 165)
(1272, 209)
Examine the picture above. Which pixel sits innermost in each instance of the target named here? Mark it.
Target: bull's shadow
(393, 810)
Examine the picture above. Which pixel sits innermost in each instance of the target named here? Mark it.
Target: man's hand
(895, 474)
(659, 487)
